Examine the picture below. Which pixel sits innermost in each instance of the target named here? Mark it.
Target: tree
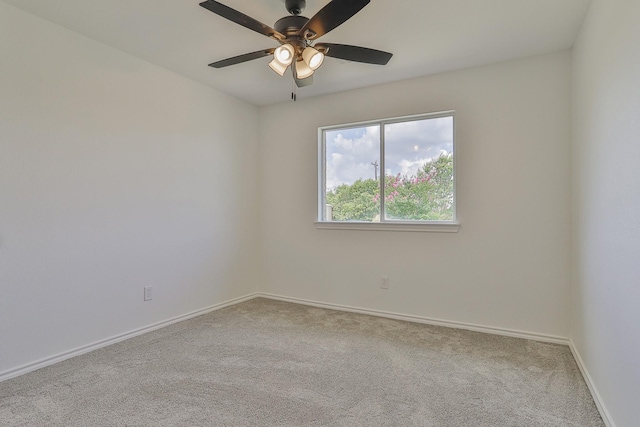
(425, 196)
(355, 202)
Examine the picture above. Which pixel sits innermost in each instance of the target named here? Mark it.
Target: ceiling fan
(297, 34)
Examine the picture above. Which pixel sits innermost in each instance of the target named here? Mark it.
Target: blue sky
(408, 145)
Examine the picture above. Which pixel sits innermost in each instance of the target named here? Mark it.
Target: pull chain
(294, 96)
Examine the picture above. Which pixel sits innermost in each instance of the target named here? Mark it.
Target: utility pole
(375, 166)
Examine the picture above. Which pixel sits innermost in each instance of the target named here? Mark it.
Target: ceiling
(425, 36)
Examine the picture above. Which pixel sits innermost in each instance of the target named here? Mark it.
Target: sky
(408, 145)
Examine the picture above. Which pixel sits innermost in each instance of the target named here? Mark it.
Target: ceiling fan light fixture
(284, 54)
(303, 70)
(277, 67)
(312, 57)
(296, 35)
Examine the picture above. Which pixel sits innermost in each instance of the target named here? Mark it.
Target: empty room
(320, 213)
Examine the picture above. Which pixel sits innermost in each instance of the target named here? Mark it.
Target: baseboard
(420, 319)
(604, 413)
(21, 370)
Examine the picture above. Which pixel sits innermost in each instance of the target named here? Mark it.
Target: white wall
(507, 267)
(606, 208)
(114, 174)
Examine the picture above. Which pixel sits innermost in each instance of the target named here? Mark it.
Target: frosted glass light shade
(302, 70)
(312, 57)
(277, 67)
(284, 54)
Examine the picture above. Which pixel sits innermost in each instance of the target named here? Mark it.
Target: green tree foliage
(355, 202)
(425, 196)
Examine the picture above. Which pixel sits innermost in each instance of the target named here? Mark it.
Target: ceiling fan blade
(354, 53)
(329, 17)
(241, 19)
(241, 58)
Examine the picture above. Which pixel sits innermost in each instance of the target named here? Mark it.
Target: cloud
(408, 145)
(408, 167)
(350, 152)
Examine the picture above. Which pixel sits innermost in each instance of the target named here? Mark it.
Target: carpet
(272, 363)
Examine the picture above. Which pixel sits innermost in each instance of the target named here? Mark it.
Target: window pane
(352, 165)
(418, 172)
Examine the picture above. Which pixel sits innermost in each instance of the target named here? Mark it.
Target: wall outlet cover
(148, 293)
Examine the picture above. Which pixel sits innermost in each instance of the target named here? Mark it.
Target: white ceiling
(425, 36)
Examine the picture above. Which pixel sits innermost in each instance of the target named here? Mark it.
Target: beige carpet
(269, 363)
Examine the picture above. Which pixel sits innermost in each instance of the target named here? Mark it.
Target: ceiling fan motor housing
(290, 25)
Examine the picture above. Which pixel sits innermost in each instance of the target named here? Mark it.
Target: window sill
(441, 227)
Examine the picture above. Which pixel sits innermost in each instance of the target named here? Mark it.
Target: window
(388, 172)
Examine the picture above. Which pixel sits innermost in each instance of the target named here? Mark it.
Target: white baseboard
(604, 413)
(20, 370)
(421, 319)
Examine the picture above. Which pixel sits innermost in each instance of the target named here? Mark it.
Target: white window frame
(451, 226)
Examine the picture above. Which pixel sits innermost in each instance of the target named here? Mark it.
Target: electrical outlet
(384, 282)
(148, 293)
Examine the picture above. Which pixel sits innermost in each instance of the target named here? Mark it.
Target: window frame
(384, 224)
